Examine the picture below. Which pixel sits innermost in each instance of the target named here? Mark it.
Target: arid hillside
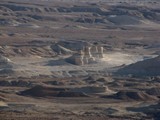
(79, 59)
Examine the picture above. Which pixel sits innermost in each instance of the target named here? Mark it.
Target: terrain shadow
(151, 110)
(59, 62)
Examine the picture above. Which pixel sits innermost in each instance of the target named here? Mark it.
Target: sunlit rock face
(77, 58)
(87, 55)
(97, 51)
(87, 52)
(88, 58)
(100, 51)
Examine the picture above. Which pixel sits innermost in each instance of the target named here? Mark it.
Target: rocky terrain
(79, 60)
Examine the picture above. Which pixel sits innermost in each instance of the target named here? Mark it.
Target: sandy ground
(35, 65)
(29, 30)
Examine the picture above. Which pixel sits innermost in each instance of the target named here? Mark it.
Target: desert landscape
(79, 60)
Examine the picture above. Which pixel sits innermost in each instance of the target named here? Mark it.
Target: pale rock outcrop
(87, 55)
(87, 52)
(95, 51)
(100, 51)
(77, 58)
(88, 58)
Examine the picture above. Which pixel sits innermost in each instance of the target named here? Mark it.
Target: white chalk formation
(97, 51)
(87, 55)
